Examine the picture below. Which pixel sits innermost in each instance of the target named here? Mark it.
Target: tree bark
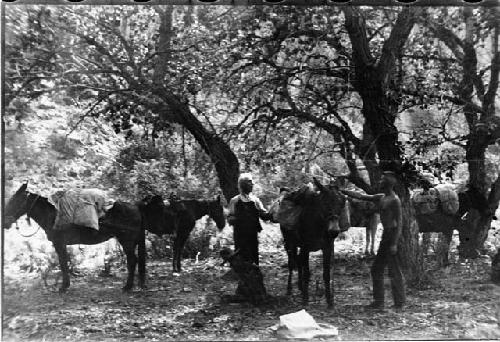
(411, 255)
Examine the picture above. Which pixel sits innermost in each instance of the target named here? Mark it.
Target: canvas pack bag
(425, 202)
(442, 195)
(448, 198)
(81, 207)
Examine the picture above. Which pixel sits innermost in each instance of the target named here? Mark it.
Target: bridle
(20, 213)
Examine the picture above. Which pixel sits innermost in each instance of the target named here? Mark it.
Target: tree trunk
(375, 82)
(408, 243)
(473, 234)
(225, 161)
(475, 231)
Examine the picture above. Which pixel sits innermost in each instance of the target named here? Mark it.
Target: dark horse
(317, 228)
(125, 221)
(188, 212)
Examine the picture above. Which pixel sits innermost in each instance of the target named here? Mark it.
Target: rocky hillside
(54, 149)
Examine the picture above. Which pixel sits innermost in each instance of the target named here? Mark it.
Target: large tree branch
(491, 94)
(393, 46)
(356, 28)
(453, 99)
(463, 51)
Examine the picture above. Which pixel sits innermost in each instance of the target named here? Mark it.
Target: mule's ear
(156, 199)
(318, 184)
(23, 187)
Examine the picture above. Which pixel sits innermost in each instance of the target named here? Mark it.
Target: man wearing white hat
(245, 210)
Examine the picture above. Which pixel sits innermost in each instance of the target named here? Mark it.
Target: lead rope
(26, 236)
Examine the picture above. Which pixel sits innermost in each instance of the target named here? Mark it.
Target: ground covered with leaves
(457, 302)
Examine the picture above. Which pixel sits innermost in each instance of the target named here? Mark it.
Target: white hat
(245, 176)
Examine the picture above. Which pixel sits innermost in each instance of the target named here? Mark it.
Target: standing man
(245, 210)
(389, 206)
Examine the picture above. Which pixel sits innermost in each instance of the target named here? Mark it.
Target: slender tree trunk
(409, 243)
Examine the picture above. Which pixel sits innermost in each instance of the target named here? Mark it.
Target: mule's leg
(327, 253)
(174, 257)
(129, 249)
(444, 248)
(293, 262)
(291, 252)
(372, 224)
(62, 253)
(367, 239)
(141, 251)
(426, 242)
(290, 271)
(300, 270)
(179, 243)
(304, 261)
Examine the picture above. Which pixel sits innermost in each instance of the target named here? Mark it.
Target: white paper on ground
(302, 325)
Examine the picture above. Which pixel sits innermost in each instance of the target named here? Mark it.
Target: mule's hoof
(127, 288)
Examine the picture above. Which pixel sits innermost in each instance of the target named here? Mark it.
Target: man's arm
(231, 218)
(263, 213)
(398, 212)
(364, 197)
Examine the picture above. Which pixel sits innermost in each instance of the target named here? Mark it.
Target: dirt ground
(457, 302)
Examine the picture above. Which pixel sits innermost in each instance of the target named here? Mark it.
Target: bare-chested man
(389, 206)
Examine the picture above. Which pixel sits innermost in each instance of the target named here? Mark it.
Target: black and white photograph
(250, 170)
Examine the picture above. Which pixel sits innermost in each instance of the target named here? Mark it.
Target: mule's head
(216, 212)
(330, 204)
(16, 206)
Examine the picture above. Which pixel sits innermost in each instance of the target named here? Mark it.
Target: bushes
(137, 151)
